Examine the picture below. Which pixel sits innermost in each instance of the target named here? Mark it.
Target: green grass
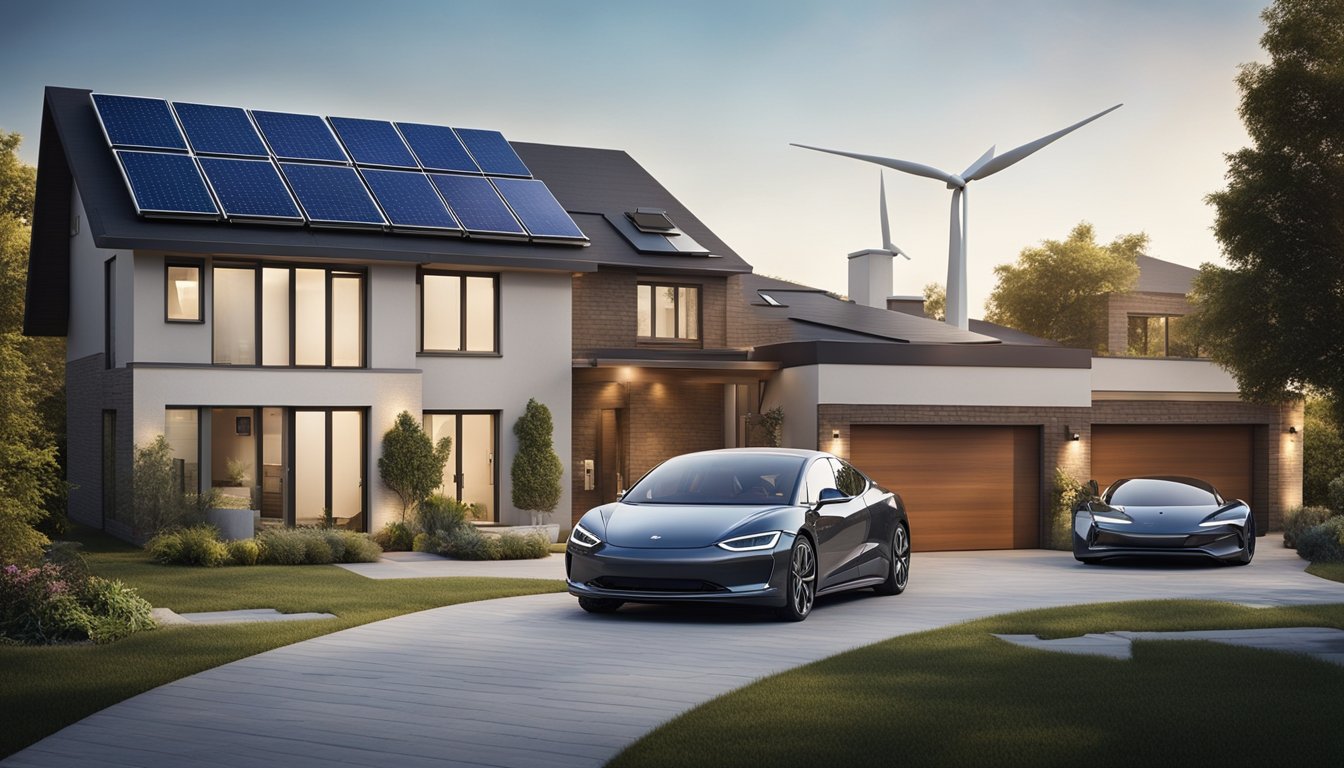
(43, 689)
(957, 696)
(1331, 571)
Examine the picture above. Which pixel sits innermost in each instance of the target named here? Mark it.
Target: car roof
(796, 452)
(1183, 480)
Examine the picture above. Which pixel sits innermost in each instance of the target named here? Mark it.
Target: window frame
(674, 340)
(457, 448)
(1149, 340)
(199, 266)
(495, 278)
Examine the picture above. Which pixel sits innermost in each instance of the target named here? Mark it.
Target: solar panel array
(207, 162)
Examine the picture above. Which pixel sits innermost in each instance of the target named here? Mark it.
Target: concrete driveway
(533, 681)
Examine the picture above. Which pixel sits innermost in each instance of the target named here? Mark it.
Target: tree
(536, 468)
(1057, 290)
(1272, 317)
(1322, 451)
(935, 301)
(412, 464)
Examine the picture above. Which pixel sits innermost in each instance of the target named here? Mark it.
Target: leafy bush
(359, 548)
(426, 543)
(160, 504)
(467, 543)
(315, 546)
(1299, 519)
(244, 552)
(1323, 543)
(197, 545)
(316, 550)
(280, 547)
(411, 465)
(229, 501)
(396, 536)
(52, 604)
(513, 546)
(1066, 495)
(1334, 495)
(438, 515)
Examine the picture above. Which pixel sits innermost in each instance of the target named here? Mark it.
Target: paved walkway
(535, 682)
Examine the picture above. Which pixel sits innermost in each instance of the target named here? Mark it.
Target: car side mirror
(830, 496)
(620, 495)
(1093, 490)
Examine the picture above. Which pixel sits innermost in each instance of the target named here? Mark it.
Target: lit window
(184, 293)
(458, 313)
(667, 312)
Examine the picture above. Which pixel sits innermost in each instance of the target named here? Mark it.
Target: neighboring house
(273, 358)
(1146, 322)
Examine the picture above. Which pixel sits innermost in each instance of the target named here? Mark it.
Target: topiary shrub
(531, 546)
(244, 552)
(396, 536)
(536, 470)
(197, 545)
(1323, 543)
(1299, 519)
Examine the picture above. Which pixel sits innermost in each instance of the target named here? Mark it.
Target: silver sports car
(761, 526)
(1163, 516)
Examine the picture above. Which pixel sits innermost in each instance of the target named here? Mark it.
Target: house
(273, 340)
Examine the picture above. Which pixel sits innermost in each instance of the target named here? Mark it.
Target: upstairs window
(459, 313)
(183, 302)
(295, 316)
(1160, 336)
(667, 312)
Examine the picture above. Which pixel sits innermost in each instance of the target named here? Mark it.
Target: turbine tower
(988, 165)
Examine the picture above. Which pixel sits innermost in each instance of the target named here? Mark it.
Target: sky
(708, 96)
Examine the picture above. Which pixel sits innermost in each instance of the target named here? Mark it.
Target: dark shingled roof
(1158, 276)
(587, 182)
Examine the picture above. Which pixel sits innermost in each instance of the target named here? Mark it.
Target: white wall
(86, 289)
(159, 341)
(954, 385)
(1129, 374)
(795, 389)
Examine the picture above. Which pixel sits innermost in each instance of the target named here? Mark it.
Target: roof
(589, 183)
(1158, 276)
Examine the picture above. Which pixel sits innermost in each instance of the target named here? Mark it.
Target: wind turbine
(988, 165)
(886, 227)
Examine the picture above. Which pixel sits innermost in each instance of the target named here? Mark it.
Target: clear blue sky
(708, 95)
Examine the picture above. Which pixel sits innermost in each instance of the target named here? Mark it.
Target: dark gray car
(1163, 517)
(757, 526)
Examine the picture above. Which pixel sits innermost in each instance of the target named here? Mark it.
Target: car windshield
(720, 478)
(1149, 492)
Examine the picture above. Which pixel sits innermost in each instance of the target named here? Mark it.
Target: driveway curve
(534, 682)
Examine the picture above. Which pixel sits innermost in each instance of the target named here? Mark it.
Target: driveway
(533, 681)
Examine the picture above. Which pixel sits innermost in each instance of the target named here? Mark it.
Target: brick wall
(749, 327)
(1120, 306)
(605, 312)
(91, 389)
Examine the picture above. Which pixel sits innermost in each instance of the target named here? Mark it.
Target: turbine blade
(904, 166)
(882, 199)
(1013, 155)
(969, 173)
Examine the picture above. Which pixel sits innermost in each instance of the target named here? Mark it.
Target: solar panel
(537, 208)
(216, 130)
(132, 121)
(477, 205)
(332, 195)
(299, 137)
(250, 190)
(168, 185)
(373, 142)
(437, 148)
(409, 200)
(492, 152)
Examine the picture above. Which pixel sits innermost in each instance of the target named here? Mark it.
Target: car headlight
(1233, 517)
(1102, 517)
(583, 537)
(752, 542)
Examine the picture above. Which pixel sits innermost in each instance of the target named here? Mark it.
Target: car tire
(800, 586)
(898, 572)
(1248, 552)
(1088, 560)
(599, 604)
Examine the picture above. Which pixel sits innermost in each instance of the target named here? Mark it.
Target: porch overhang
(701, 366)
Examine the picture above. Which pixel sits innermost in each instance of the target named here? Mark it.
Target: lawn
(43, 689)
(957, 696)
(1331, 571)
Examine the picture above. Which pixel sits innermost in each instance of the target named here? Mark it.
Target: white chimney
(870, 277)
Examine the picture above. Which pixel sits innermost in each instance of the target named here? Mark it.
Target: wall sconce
(1070, 434)
(1292, 430)
(835, 434)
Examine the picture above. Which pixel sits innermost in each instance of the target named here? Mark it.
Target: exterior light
(835, 434)
(1070, 434)
(1292, 430)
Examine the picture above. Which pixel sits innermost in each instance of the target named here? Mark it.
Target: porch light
(835, 434)
(1070, 434)
(1292, 430)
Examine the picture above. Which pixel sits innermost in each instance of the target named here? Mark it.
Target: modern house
(269, 290)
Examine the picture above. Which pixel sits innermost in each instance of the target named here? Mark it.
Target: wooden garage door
(1220, 454)
(963, 487)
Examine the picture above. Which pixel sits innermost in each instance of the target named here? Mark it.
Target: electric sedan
(754, 526)
(1162, 517)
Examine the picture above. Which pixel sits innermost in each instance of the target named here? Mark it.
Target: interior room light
(1070, 434)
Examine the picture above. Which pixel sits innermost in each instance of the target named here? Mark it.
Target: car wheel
(1088, 560)
(1247, 552)
(800, 588)
(898, 574)
(599, 604)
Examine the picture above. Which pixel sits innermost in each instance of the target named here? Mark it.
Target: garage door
(963, 487)
(1220, 454)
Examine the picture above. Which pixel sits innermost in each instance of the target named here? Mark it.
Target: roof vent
(653, 221)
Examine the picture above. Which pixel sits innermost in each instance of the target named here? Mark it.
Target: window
(1160, 336)
(109, 457)
(183, 302)
(110, 313)
(849, 480)
(459, 313)
(667, 312)
(310, 316)
(820, 475)
(182, 431)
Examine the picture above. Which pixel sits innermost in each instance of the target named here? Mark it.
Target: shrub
(280, 547)
(438, 515)
(228, 501)
(1323, 543)
(513, 546)
(411, 465)
(1334, 495)
(316, 550)
(316, 546)
(160, 504)
(1066, 495)
(1299, 519)
(396, 536)
(244, 552)
(359, 548)
(52, 604)
(115, 610)
(425, 543)
(467, 543)
(197, 545)
(536, 467)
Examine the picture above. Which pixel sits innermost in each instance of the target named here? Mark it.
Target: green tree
(536, 468)
(412, 464)
(1272, 317)
(1057, 290)
(935, 301)
(1322, 451)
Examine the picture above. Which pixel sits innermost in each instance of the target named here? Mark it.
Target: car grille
(638, 584)
(1152, 541)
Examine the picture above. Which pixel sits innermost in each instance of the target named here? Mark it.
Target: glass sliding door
(235, 315)
(310, 467)
(328, 467)
(469, 476)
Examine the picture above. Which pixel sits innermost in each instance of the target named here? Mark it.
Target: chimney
(910, 305)
(870, 277)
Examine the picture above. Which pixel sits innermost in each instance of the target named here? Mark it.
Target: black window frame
(258, 331)
(457, 447)
(110, 313)
(1148, 341)
(199, 266)
(674, 340)
(420, 275)
(291, 515)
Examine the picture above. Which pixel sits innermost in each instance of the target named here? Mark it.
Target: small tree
(536, 468)
(769, 427)
(160, 502)
(935, 301)
(412, 464)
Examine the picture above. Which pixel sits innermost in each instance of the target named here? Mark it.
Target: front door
(327, 468)
(611, 475)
